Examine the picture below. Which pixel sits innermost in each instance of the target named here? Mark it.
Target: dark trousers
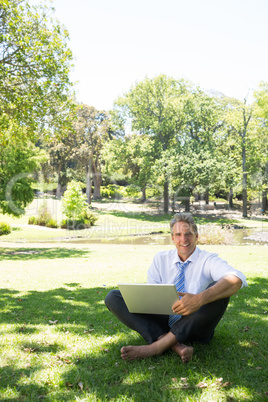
(198, 326)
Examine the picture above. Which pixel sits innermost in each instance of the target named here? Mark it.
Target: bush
(106, 192)
(5, 229)
(32, 220)
(133, 191)
(44, 215)
(44, 218)
(74, 201)
(52, 223)
(64, 224)
(86, 221)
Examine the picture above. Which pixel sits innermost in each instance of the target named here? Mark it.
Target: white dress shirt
(204, 268)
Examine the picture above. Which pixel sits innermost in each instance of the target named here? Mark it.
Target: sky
(220, 45)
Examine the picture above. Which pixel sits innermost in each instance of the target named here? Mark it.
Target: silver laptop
(149, 298)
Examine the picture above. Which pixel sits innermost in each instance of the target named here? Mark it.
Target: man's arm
(189, 303)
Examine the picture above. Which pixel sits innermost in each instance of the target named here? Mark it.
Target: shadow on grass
(36, 254)
(237, 352)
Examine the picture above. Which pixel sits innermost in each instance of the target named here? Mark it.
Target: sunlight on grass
(59, 342)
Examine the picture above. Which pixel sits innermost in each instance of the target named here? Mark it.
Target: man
(207, 282)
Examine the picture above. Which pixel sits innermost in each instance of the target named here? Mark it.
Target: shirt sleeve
(219, 268)
(153, 273)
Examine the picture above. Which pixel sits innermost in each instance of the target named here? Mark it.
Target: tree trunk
(207, 197)
(143, 192)
(264, 201)
(97, 178)
(230, 198)
(243, 135)
(244, 192)
(166, 196)
(187, 204)
(97, 185)
(58, 191)
(89, 185)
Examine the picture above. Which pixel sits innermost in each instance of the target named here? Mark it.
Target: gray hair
(183, 217)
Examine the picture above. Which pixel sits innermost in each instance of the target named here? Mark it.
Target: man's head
(184, 234)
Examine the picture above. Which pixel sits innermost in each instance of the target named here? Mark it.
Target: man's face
(184, 239)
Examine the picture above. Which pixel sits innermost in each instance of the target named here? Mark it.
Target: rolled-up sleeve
(220, 268)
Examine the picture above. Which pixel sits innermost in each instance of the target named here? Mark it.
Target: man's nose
(184, 237)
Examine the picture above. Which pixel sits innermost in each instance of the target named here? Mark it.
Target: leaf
(246, 328)
(53, 322)
(226, 384)
(202, 384)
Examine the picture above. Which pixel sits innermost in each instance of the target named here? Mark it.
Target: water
(240, 237)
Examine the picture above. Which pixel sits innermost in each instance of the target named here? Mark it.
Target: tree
(239, 120)
(201, 138)
(60, 151)
(132, 157)
(155, 108)
(75, 207)
(92, 129)
(34, 67)
(35, 94)
(261, 112)
(19, 161)
(74, 202)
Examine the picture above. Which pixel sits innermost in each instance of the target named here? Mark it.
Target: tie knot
(184, 265)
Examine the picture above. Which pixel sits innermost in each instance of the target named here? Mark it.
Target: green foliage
(52, 223)
(34, 72)
(5, 229)
(76, 208)
(74, 201)
(87, 220)
(32, 220)
(19, 160)
(44, 218)
(35, 93)
(133, 191)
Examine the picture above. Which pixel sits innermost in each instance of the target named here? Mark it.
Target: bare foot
(185, 352)
(138, 352)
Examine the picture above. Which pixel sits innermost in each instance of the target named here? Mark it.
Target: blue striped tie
(180, 286)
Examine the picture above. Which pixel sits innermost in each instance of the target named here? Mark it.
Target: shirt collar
(193, 257)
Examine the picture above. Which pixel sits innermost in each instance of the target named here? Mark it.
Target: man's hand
(188, 303)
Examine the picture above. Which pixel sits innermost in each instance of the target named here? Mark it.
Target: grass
(60, 343)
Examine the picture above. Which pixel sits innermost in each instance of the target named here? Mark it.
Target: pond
(240, 237)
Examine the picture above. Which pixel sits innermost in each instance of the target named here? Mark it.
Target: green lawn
(60, 343)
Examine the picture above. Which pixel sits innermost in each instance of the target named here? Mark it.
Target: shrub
(74, 201)
(133, 191)
(5, 229)
(106, 192)
(64, 224)
(51, 223)
(89, 218)
(32, 220)
(44, 215)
